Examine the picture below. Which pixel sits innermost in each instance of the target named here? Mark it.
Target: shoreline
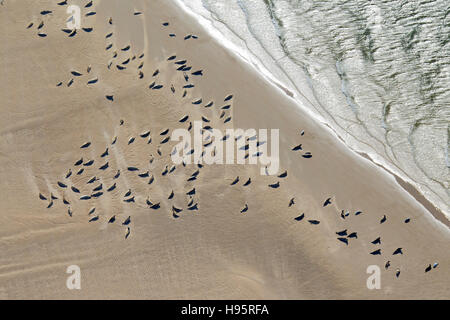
(249, 58)
(166, 231)
(419, 197)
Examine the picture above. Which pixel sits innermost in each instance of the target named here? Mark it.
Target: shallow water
(377, 72)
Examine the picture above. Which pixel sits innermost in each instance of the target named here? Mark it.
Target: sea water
(377, 72)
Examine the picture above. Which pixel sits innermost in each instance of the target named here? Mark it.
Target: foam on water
(377, 72)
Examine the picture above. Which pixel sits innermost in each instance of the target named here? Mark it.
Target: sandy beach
(61, 90)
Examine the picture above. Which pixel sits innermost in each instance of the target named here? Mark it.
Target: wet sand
(438, 214)
(215, 252)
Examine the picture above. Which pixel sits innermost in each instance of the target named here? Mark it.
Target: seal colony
(111, 173)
